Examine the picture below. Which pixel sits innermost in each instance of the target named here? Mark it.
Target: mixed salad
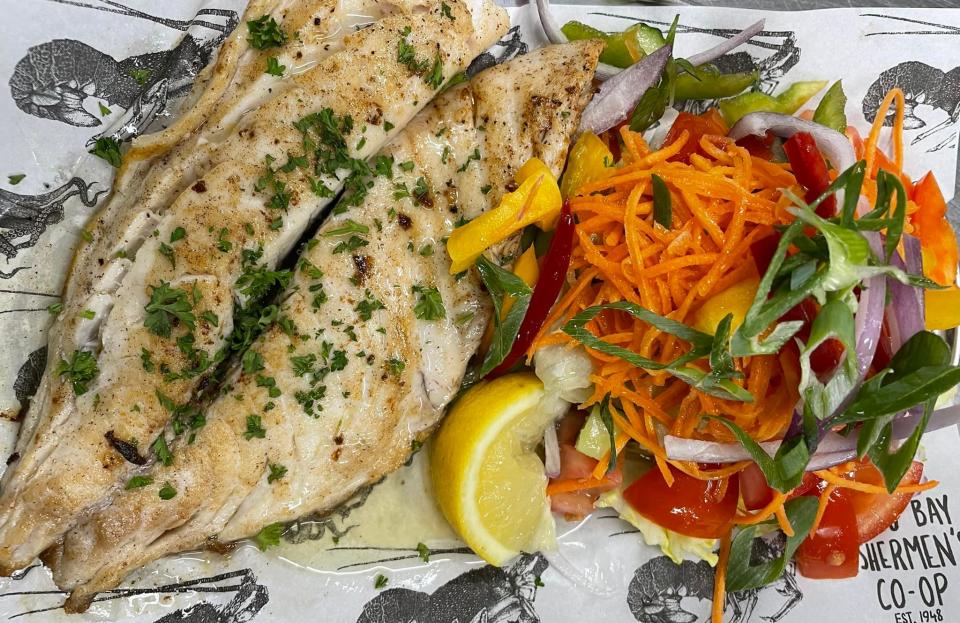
(739, 320)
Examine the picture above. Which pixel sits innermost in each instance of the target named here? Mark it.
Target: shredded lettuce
(675, 546)
(565, 372)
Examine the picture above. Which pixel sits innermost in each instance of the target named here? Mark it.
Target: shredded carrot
(838, 481)
(870, 150)
(783, 521)
(822, 507)
(720, 580)
(764, 513)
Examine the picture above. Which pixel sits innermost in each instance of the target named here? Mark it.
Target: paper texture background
(326, 569)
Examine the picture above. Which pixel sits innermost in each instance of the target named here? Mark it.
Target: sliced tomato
(810, 170)
(691, 506)
(698, 126)
(832, 551)
(574, 464)
(759, 146)
(876, 511)
(810, 485)
(754, 490)
(572, 504)
(569, 427)
(825, 358)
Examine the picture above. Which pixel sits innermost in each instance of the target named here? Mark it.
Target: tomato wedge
(697, 126)
(754, 490)
(876, 511)
(832, 551)
(691, 506)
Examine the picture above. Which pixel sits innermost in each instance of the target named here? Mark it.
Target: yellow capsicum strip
(590, 161)
(536, 200)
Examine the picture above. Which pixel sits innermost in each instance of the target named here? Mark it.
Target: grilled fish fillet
(196, 229)
(372, 341)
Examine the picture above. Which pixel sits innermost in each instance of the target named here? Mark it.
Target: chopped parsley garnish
(55, 308)
(435, 77)
(430, 304)
(141, 76)
(210, 318)
(445, 11)
(407, 55)
(168, 305)
(396, 366)
(167, 252)
(351, 244)
(222, 243)
(274, 68)
(147, 360)
(426, 250)
(309, 399)
(422, 550)
(86, 235)
(387, 126)
(406, 166)
(270, 383)
(138, 481)
(16, 178)
(167, 492)
(161, 450)
(400, 190)
(252, 362)
(383, 165)
(474, 156)
(264, 32)
(80, 370)
(104, 111)
(254, 428)
(276, 223)
(303, 364)
(422, 191)
(310, 270)
(463, 318)
(380, 581)
(485, 189)
(256, 281)
(339, 360)
(88, 314)
(349, 227)
(368, 305)
(177, 234)
(109, 149)
(277, 472)
(269, 536)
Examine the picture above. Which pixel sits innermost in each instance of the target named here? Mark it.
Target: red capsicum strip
(553, 274)
(810, 169)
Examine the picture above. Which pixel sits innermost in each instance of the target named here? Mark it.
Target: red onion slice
(834, 146)
(619, 96)
(551, 452)
(833, 450)
(906, 302)
(734, 42)
(869, 318)
(939, 419)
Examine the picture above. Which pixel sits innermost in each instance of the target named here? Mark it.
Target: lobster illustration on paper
(247, 598)
(59, 79)
(928, 91)
(485, 595)
(660, 586)
(24, 218)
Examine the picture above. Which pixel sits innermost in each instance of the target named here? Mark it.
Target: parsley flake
(254, 428)
(274, 68)
(264, 32)
(80, 370)
(430, 304)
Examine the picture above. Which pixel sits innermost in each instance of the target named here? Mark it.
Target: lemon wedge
(488, 480)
